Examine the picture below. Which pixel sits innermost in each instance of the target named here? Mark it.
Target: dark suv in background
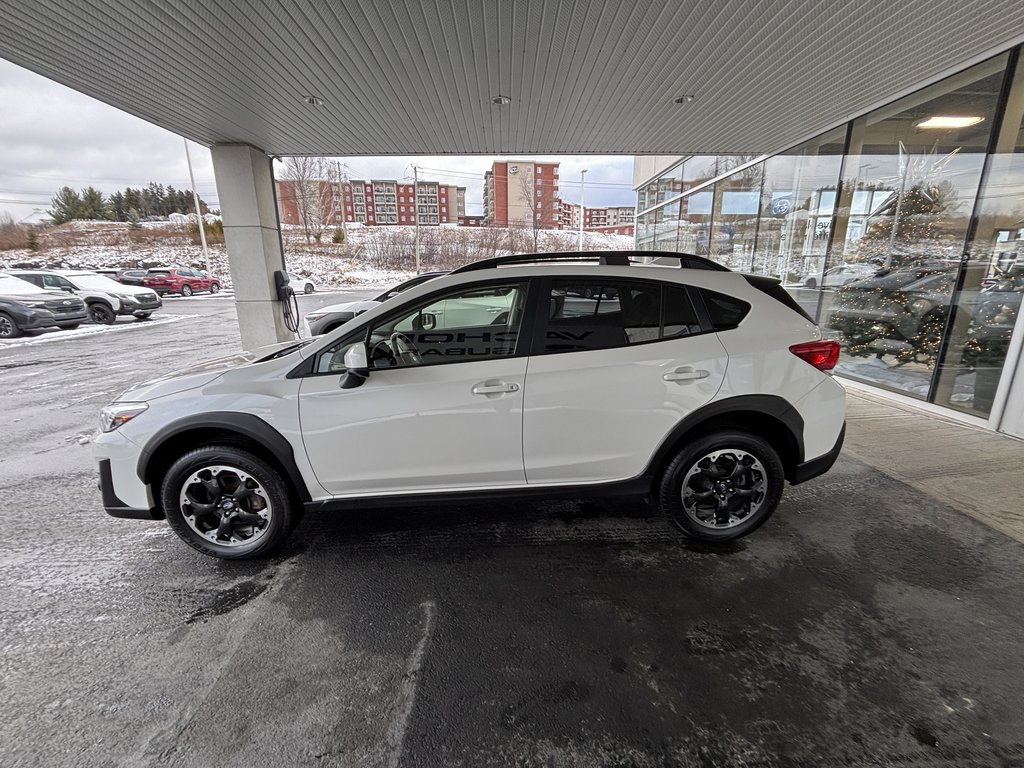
(24, 307)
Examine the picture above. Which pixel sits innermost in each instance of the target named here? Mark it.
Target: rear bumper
(820, 465)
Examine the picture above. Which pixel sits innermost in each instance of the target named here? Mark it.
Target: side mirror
(357, 367)
(427, 321)
(67, 289)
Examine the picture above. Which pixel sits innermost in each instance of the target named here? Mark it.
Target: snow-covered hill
(369, 255)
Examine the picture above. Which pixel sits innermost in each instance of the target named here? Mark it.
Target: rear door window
(605, 314)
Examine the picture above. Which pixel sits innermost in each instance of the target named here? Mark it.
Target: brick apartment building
(379, 201)
(522, 193)
(617, 220)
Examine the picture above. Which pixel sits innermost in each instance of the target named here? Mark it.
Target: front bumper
(124, 494)
(117, 508)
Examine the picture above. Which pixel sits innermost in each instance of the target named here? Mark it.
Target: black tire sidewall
(281, 521)
(15, 330)
(108, 315)
(669, 492)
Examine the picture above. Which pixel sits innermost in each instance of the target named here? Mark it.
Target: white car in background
(703, 389)
(105, 299)
(326, 319)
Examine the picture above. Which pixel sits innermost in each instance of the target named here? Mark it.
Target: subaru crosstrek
(702, 388)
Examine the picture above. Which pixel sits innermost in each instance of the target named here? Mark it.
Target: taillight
(823, 354)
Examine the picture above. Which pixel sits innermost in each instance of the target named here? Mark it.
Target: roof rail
(609, 258)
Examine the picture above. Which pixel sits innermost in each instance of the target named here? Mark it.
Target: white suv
(105, 299)
(701, 387)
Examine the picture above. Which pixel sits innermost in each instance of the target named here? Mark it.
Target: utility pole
(582, 209)
(416, 203)
(199, 214)
(342, 181)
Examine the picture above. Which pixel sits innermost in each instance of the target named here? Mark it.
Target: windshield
(15, 285)
(95, 282)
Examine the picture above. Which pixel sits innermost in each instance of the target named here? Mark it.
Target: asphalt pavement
(867, 623)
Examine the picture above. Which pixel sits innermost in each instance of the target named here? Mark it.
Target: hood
(204, 373)
(36, 296)
(133, 290)
(355, 307)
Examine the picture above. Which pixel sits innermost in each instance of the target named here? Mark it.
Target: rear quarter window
(725, 312)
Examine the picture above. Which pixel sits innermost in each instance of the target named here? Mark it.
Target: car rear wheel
(308, 288)
(214, 287)
(143, 315)
(8, 328)
(722, 486)
(101, 313)
(69, 326)
(186, 290)
(810, 282)
(227, 503)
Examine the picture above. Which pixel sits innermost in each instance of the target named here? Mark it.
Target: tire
(8, 328)
(810, 282)
(185, 489)
(308, 288)
(101, 313)
(143, 315)
(214, 287)
(186, 290)
(69, 327)
(761, 483)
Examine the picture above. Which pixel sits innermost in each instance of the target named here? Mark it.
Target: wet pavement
(865, 624)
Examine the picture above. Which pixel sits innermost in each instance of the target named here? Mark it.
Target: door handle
(495, 388)
(685, 374)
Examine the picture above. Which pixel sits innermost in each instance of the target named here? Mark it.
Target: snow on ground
(90, 329)
(371, 256)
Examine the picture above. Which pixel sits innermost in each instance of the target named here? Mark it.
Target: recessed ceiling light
(684, 99)
(949, 121)
(501, 101)
(313, 101)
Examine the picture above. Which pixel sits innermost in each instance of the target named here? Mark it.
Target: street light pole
(199, 214)
(582, 209)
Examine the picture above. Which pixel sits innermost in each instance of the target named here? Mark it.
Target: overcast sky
(52, 136)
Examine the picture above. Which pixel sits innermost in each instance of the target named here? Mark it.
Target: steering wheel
(404, 349)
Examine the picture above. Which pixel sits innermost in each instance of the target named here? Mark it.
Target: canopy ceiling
(404, 77)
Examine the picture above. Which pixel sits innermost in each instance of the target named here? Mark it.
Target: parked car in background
(840, 275)
(113, 274)
(105, 299)
(179, 280)
(132, 277)
(25, 307)
(326, 319)
(898, 311)
(300, 284)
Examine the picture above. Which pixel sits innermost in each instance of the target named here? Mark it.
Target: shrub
(32, 240)
(339, 236)
(214, 232)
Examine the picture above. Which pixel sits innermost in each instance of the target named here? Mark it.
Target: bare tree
(313, 182)
(535, 221)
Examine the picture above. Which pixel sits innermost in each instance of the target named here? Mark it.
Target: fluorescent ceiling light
(949, 121)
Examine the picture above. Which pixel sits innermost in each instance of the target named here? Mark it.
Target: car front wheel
(101, 313)
(186, 290)
(8, 328)
(722, 486)
(227, 503)
(308, 289)
(214, 287)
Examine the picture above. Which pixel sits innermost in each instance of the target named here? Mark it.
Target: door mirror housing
(357, 367)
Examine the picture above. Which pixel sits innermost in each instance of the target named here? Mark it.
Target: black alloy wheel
(227, 503)
(101, 313)
(722, 486)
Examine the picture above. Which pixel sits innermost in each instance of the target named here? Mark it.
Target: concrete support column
(252, 232)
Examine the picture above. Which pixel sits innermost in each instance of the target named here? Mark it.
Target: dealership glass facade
(901, 232)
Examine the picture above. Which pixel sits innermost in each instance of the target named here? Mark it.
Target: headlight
(921, 305)
(116, 414)
(126, 297)
(313, 318)
(34, 304)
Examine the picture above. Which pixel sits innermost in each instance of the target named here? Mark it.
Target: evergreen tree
(94, 205)
(67, 205)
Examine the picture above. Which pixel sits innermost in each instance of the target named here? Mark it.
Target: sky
(52, 136)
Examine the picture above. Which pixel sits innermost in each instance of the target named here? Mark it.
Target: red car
(183, 281)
